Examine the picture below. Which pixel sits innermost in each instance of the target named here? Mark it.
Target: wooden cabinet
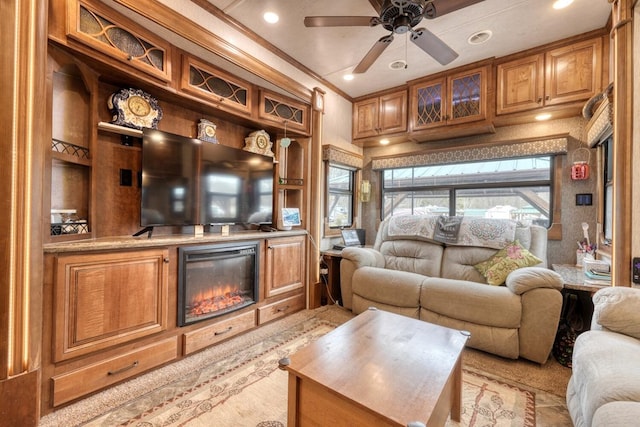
(102, 300)
(282, 111)
(566, 74)
(102, 29)
(76, 383)
(452, 99)
(292, 179)
(220, 88)
(285, 265)
(381, 115)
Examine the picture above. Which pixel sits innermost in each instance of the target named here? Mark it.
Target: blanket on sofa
(493, 233)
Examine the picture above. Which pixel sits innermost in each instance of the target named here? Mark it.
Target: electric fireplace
(216, 279)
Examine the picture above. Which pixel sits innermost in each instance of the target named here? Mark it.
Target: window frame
(351, 192)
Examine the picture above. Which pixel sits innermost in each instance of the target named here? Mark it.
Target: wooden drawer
(72, 385)
(280, 308)
(204, 337)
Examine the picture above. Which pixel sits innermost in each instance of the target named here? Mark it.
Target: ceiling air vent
(480, 37)
(398, 65)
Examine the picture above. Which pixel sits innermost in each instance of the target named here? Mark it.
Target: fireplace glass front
(215, 280)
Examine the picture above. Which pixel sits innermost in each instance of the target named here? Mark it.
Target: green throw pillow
(510, 258)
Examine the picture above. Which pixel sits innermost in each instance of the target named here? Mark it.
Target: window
(340, 185)
(508, 188)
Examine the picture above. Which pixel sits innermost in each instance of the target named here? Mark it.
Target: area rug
(245, 387)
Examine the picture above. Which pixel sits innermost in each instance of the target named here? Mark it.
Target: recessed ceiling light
(400, 64)
(480, 37)
(384, 141)
(543, 116)
(561, 4)
(271, 17)
(348, 77)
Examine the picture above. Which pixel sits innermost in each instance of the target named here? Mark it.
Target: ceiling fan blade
(442, 7)
(431, 44)
(373, 54)
(341, 21)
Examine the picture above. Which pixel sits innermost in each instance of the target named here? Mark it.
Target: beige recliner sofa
(408, 273)
(604, 389)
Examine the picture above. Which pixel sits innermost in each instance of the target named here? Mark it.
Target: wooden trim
(622, 50)
(189, 30)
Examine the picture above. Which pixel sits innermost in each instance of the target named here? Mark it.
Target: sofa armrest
(617, 309)
(353, 259)
(363, 257)
(527, 278)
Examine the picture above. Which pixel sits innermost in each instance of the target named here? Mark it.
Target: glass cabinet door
(428, 104)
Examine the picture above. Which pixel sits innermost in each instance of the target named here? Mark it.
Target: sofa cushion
(513, 256)
(396, 288)
(413, 256)
(618, 309)
(472, 302)
(603, 372)
(458, 262)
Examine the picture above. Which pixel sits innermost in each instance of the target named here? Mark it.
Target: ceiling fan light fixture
(399, 64)
(348, 77)
(480, 37)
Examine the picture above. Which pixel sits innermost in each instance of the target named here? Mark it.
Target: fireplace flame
(215, 299)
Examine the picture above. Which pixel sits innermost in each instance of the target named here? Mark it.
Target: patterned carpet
(238, 383)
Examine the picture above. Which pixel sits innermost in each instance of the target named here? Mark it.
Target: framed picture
(291, 217)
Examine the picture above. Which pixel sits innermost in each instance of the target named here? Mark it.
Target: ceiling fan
(399, 17)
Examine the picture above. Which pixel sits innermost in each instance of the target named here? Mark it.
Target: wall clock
(258, 142)
(134, 108)
(207, 131)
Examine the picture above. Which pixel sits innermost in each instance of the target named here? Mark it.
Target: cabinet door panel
(574, 73)
(428, 105)
(520, 84)
(365, 115)
(106, 299)
(467, 96)
(285, 265)
(393, 112)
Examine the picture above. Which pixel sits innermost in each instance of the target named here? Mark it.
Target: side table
(331, 259)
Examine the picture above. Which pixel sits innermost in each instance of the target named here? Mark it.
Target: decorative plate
(207, 131)
(134, 108)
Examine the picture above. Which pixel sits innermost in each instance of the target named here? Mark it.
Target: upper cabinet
(562, 75)
(449, 100)
(381, 115)
(101, 29)
(221, 89)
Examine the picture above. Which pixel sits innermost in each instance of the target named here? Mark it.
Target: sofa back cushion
(414, 256)
(458, 262)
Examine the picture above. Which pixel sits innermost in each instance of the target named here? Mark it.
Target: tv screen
(187, 181)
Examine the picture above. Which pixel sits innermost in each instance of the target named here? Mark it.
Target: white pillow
(618, 309)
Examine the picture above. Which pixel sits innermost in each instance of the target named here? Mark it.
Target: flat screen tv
(187, 181)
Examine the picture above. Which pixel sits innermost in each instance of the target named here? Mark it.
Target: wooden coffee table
(378, 369)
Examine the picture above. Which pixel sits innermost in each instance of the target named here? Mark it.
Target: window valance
(553, 145)
(333, 154)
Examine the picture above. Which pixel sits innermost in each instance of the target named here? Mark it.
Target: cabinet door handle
(165, 260)
(281, 309)
(121, 370)
(223, 332)
(539, 100)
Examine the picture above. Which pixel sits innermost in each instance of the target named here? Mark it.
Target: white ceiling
(332, 52)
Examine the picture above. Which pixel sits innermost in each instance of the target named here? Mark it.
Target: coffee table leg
(456, 404)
